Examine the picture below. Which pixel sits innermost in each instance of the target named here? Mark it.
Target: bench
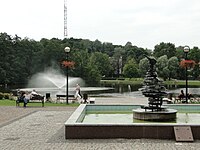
(60, 96)
(34, 99)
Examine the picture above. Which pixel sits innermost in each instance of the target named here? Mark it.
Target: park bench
(34, 99)
(63, 97)
(191, 100)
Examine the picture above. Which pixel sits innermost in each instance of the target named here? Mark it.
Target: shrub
(6, 96)
(1, 96)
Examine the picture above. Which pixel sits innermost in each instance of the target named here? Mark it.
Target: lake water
(132, 90)
(111, 90)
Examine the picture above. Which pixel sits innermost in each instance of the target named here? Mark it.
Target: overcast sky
(144, 23)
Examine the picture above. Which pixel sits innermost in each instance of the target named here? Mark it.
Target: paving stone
(37, 128)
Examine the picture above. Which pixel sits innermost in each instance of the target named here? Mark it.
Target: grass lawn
(140, 81)
(182, 82)
(13, 103)
(126, 81)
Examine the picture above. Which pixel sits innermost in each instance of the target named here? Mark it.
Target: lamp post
(67, 50)
(186, 50)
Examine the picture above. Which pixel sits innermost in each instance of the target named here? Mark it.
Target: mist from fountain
(52, 78)
(54, 82)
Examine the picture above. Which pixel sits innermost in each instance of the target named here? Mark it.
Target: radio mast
(65, 18)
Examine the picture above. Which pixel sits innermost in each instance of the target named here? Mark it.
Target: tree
(167, 49)
(93, 74)
(173, 66)
(143, 66)
(130, 69)
(102, 62)
(117, 60)
(162, 66)
(179, 53)
(194, 54)
(7, 57)
(81, 59)
(135, 52)
(108, 48)
(97, 46)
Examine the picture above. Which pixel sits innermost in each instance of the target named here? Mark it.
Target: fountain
(155, 120)
(52, 78)
(155, 91)
(54, 82)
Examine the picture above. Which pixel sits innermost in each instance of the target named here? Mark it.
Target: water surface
(190, 118)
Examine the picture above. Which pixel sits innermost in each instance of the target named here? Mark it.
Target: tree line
(23, 57)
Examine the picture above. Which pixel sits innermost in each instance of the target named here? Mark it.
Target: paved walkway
(37, 128)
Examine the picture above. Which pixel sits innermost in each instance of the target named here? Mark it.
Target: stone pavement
(38, 128)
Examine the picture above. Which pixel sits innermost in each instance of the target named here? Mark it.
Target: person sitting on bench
(34, 95)
(181, 95)
(26, 98)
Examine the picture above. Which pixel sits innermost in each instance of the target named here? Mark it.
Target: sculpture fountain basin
(77, 126)
(163, 115)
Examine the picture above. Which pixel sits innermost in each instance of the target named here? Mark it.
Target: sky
(144, 23)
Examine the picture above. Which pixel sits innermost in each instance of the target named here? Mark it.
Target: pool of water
(190, 118)
(116, 121)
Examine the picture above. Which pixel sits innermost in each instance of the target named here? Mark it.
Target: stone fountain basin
(76, 129)
(164, 115)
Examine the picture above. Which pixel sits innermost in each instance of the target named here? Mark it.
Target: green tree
(97, 46)
(164, 49)
(108, 48)
(130, 69)
(143, 66)
(173, 66)
(6, 56)
(52, 50)
(117, 60)
(93, 74)
(81, 59)
(162, 66)
(102, 62)
(194, 54)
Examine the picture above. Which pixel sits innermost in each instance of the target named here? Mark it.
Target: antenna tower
(65, 18)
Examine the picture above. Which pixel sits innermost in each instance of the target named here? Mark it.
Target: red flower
(187, 63)
(69, 64)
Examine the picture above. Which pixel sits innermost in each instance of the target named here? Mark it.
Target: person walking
(78, 92)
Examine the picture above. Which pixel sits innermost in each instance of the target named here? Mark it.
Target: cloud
(145, 23)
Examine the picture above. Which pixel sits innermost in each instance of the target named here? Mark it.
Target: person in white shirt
(77, 92)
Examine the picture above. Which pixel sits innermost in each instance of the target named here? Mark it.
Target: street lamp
(186, 50)
(67, 50)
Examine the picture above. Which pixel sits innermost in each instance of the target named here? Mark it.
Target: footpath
(42, 128)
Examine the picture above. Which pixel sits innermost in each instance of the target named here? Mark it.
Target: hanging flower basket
(69, 64)
(187, 63)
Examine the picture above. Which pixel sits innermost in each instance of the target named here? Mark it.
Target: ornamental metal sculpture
(153, 87)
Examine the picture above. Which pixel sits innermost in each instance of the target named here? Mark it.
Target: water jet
(54, 82)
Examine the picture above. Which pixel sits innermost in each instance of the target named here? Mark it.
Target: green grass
(13, 103)
(126, 81)
(140, 80)
(7, 103)
(182, 82)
